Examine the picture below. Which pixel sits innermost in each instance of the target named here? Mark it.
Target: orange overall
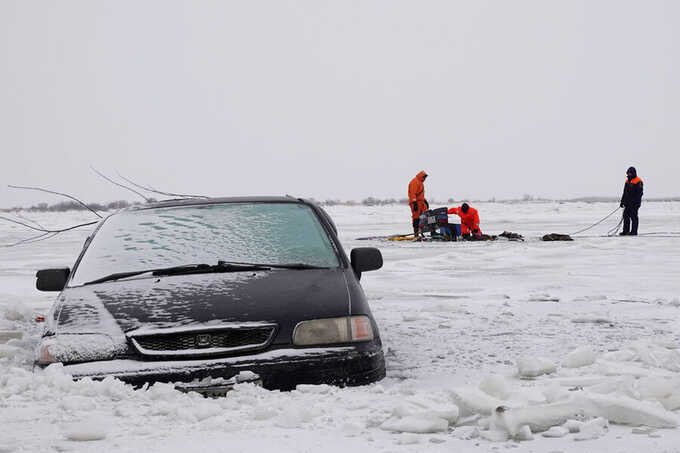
(469, 221)
(416, 195)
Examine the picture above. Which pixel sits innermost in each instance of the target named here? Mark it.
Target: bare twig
(152, 190)
(148, 200)
(57, 193)
(29, 220)
(32, 239)
(44, 230)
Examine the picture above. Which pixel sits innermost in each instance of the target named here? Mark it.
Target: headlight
(45, 356)
(333, 330)
(80, 348)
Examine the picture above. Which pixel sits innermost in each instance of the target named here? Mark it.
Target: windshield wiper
(300, 266)
(116, 276)
(221, 266)
(186, 269)
(296, 266)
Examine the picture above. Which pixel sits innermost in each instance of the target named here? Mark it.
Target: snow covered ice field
(591, 325)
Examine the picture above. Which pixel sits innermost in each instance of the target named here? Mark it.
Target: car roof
(217, 200)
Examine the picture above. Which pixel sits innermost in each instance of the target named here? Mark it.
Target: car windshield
(263, 233)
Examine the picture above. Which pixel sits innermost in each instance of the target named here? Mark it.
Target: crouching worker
(469, 221)
(416, 199)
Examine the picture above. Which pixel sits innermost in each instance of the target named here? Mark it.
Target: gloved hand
(414, 206)
(622, 205)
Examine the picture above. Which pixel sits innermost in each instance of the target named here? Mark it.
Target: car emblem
(203, 340)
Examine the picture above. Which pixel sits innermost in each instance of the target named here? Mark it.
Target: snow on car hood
(280, 296)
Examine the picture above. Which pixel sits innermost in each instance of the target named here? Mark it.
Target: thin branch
(48, 236)
(57, 193)
(44, 230)
(148, 200)
(152, 190)
(30, 240)
(29, 220)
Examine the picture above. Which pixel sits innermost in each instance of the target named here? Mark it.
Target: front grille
(203, 341)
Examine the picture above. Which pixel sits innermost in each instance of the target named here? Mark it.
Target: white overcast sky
(340, 99)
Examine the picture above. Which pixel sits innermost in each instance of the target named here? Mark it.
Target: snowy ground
(456, 319)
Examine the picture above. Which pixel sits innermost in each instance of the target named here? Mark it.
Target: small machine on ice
(436, 222)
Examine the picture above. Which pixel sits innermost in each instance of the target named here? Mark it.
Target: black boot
(634, 220)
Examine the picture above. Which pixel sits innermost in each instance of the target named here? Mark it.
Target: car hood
(283, 297)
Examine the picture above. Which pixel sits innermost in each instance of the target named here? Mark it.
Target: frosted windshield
(263, 233)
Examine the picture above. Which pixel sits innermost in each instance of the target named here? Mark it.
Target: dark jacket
(632, 190)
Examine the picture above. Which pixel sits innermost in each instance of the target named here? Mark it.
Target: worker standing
(469, 221)
(630, 202)
(416, 199)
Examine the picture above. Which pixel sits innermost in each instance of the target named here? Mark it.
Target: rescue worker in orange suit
(416, 199)
(469, 220)
(630, 202)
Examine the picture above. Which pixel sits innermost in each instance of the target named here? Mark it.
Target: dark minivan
(207, 292)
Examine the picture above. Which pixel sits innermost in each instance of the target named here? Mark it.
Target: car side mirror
(52, 279)
(365, 259)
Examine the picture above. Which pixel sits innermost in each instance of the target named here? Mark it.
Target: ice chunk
(206, 410)
(8, 352)
(624, 369)
(573, 426)
(351, 429)
(539, 418)
(628, 411)
(524, 433)
(407, 439)
(472, 401)
(411, 317)
(448, 413)
(623, 355)
(593, 429)
(484, 423)
(466, 432)
(656, 355)
(553, 393)
(7, 335)
(421, 405)
(579, 381)
(643, 431)
(263, 413)
(556, 431)
(530, 367)
(418, 424)
(658, 388)
(623, 384)
(16, 311)
(321, 389)
(161, 391)
(591, 319)
(495, 385)
(244, 376)
(671, 402)
(87, 430)
(579, 357)
(297, 415)
(495, 435)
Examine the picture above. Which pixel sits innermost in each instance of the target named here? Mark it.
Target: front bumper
(278, 369)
